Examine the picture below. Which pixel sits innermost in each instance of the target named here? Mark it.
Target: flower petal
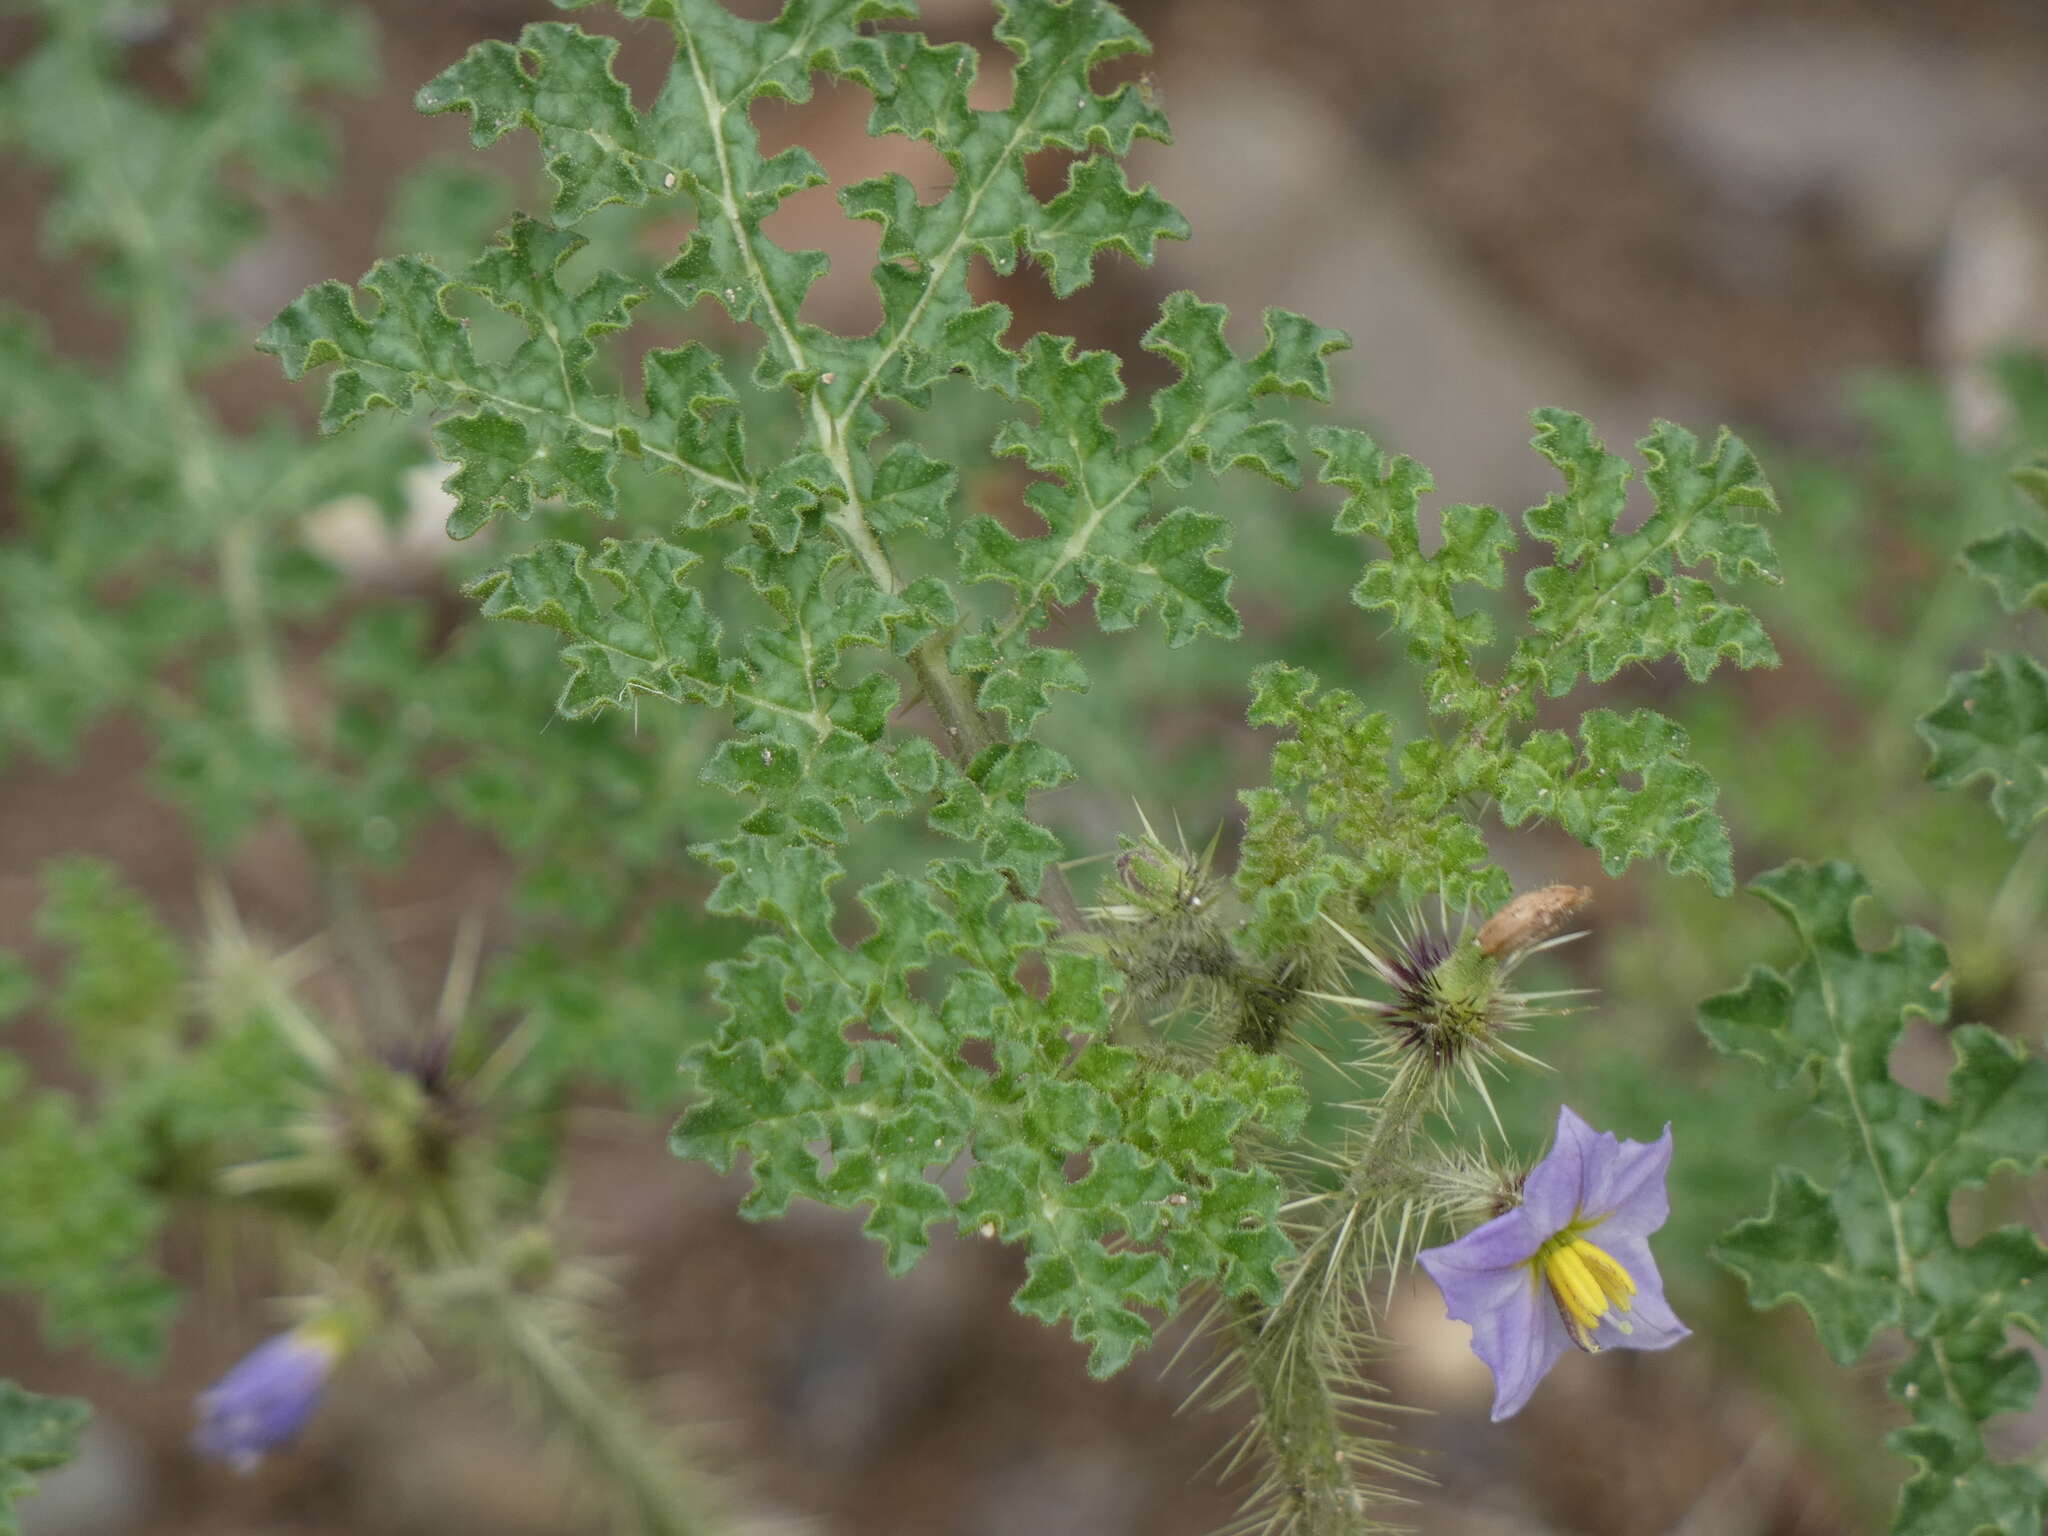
(1520, 1339)
(1506, 1242)
(1486, 1281)
(1601, 1192)
(265, 1399)
(1625, 1188)
(1652, 1323)
(1554, 1192)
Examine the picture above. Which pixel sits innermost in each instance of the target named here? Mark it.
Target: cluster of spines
(1441, 1019)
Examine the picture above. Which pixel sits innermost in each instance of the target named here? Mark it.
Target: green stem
(1298, 1354)
(665, 1496)
(1301, 1424)
(969, 732)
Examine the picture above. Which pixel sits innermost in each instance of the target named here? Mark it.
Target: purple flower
(1570, 1265)
(267, 1398)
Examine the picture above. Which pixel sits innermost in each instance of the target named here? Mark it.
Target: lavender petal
(1627, 1190)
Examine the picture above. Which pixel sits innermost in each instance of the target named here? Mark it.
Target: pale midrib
(1078, 541)
(610, 434)
(1908, 1272)
(944, 263)
(1588, 607)
(1593, 604)
(664, 660)
(963, 722)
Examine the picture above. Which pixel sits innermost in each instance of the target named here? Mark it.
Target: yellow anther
(1577, 1291)
(1587, 1283)
(1614, 1280)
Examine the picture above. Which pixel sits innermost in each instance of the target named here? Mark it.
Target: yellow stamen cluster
(1588, 1284)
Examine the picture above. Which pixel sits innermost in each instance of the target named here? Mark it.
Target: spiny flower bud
(1167, 932)
(1450, 1007)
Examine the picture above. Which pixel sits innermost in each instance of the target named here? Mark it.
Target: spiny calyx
(1450, 1004)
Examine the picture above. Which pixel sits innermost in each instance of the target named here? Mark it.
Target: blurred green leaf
(36, 1435)
(1873, 1247)
(1993, 723)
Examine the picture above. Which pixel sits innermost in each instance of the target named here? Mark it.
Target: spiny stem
(666, 1496)
(1300, 1422)
(1294, 1351)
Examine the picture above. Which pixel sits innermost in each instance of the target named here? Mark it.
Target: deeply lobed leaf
(981, 1067)
(1873, 1247)
(1354, 808)
(1993, 723)
(1611, 598)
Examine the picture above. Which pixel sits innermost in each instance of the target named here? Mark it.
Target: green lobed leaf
(930, 324)
(2015, 562)
(36, 1434)
(647, 631)
(1098, 507)
(1993, 723)
(121, 992)
(1668, 814)
(1611, 598)
(1872, 1247)
(848, 1082)
(1352, 808)
(536, 426)
(1420, 592)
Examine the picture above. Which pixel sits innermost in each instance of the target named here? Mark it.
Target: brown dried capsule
(1530, 918)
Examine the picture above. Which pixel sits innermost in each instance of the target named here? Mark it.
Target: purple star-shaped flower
(266, 1399)
(1570, 1265)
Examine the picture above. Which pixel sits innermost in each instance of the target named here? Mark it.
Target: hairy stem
(1302, 1356)
(665, 1496)
(1300, 1422)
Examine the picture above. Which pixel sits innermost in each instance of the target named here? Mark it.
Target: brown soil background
(1714, 209)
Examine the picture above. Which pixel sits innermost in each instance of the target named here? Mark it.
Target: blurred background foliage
(1832, 234)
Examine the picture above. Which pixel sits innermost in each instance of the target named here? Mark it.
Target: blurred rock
(1873, 123)
(1289, 209)
(352, 534)
(1990, 294)
(107, 1488)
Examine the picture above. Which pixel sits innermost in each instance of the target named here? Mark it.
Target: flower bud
(264, 1401)
(1529, 919)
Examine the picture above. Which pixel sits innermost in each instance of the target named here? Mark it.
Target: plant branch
(1301, 1357)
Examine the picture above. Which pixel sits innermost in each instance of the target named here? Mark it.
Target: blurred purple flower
(266, 1399)
(1532, 1281)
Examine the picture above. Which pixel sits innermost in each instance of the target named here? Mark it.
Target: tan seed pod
(1530, 918)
